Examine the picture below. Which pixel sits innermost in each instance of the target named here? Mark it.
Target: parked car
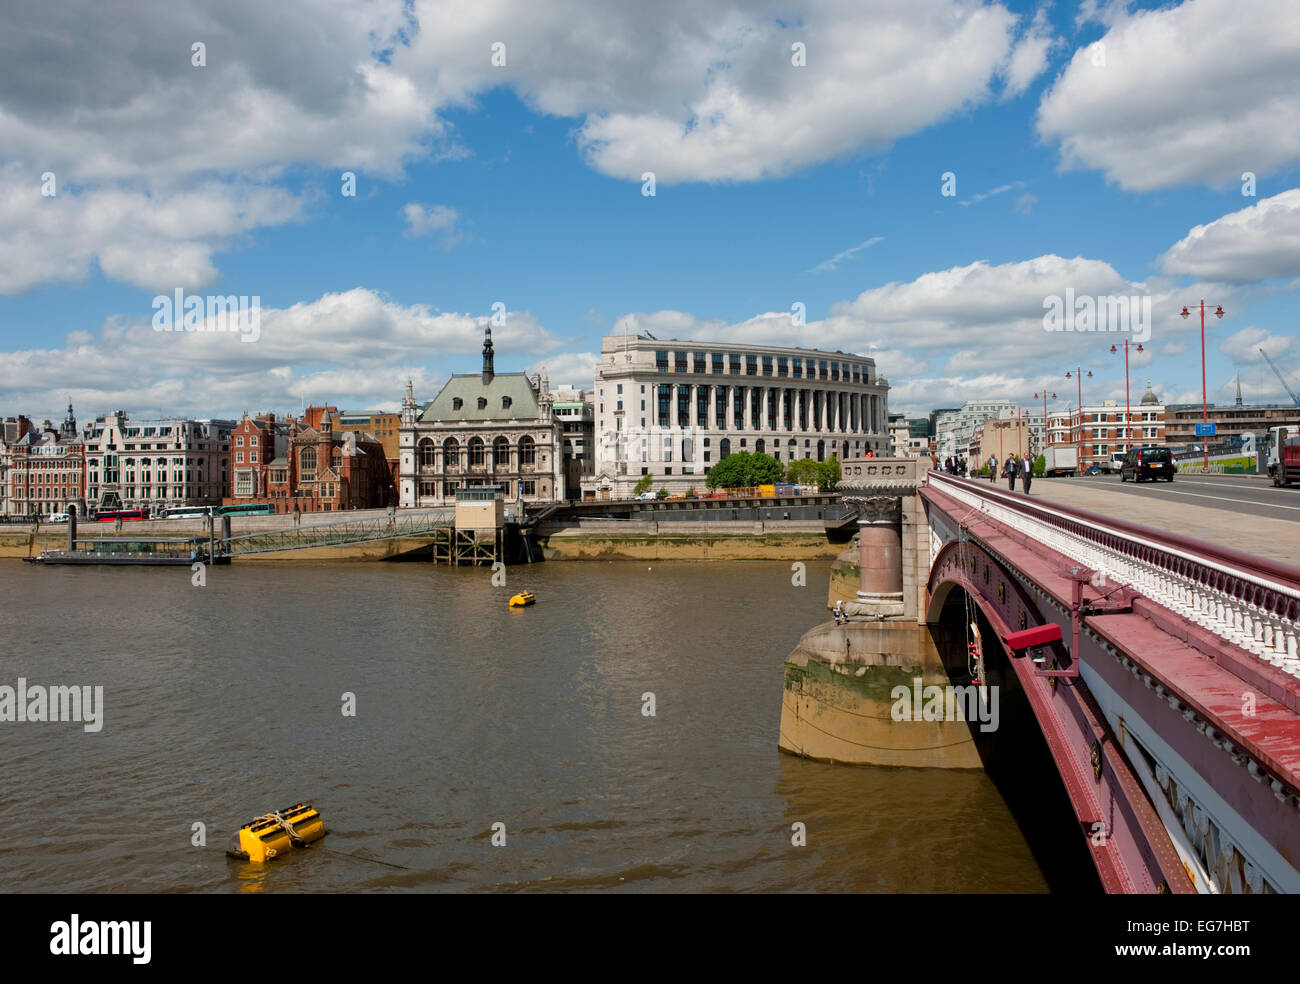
(1093, 470)
(1148, 463)
(58, 517)
(646, 495)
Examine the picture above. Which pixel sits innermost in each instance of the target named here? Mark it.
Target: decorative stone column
(881, 552)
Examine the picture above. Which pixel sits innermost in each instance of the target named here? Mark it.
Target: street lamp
(1078, 376)
(1046, 441)
(1128, 416)
(1205, 414)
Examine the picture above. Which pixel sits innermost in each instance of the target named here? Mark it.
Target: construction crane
(1277, 372)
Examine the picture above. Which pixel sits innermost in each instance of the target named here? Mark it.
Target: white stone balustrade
(1170, 575)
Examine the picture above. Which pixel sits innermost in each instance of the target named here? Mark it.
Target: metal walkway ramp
(337, 534)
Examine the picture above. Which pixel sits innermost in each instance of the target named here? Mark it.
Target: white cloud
(1192, 93)
(109, 101)
(440, 221)
(834, 262)
(999, 190)
(1259, 242)
(1243, 346)
(155, 241)
(349, 349)
(577, 369)
(1028, 59)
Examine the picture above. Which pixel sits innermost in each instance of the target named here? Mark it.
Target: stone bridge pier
(842, 681)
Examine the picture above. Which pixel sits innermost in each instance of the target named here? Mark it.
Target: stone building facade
(671, 409)
(156, 464)
(482, 429)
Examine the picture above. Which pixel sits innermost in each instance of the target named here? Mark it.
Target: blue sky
(1076, 166)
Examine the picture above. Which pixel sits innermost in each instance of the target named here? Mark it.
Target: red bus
(108, 515)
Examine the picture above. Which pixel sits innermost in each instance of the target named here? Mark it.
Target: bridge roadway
(1245, 514)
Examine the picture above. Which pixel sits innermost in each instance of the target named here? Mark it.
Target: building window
(527, 451)
(751, 365)
(252, 440)
(697, 361)
(767, 365)
(782, 366)
(426, 454)
(477, 452)
(244, 482)
(457, 403)
(482, 402)
(239, 460)
(661, 361)
(505, 403)
(734, 362)
(679, 361)
(528, 487)
(239, 441)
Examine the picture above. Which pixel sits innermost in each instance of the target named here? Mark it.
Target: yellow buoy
(522, 599)
(265, 838)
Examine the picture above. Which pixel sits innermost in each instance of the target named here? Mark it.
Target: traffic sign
(1205, 430)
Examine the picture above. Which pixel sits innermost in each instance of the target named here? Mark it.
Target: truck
(1061, 459)
(1283, 455)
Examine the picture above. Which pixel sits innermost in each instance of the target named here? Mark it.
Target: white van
(58, 517)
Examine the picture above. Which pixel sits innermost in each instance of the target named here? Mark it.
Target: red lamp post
(1045, 437)
(1128, 416)
(1205, 414)
(1078, 375)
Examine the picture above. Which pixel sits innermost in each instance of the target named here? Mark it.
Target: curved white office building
(672, 409)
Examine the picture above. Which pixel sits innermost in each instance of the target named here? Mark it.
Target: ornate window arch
(427, 453)
(527, 451)
(477, 451)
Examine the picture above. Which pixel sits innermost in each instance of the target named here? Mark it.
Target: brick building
(45, 469)
(256, 442)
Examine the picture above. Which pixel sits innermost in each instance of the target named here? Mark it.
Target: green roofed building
(482, 429)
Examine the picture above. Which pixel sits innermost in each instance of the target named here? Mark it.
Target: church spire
(488, 371)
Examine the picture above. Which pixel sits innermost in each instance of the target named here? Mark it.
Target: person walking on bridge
(1010, 472)
(993, 468)
(1026, 473)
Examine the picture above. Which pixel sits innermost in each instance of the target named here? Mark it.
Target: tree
(1040, 465)
(643, 485)
(805, 471)
(830, 473)
(742, 470)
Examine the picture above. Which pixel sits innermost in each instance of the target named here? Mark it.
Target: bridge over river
(1149, 634)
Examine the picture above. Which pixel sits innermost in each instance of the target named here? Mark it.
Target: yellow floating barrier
(522, 599)
(264, 838)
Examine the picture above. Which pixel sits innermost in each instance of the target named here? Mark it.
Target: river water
(225, 701)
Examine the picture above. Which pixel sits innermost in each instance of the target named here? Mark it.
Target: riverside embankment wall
(589, 540)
